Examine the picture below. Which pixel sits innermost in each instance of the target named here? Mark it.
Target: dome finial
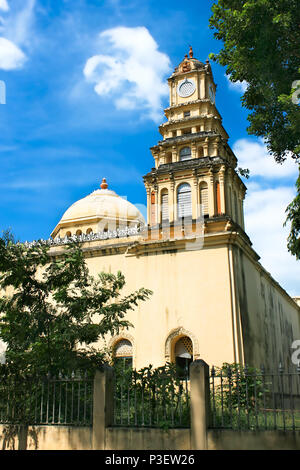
(104, 184)
(191, 54)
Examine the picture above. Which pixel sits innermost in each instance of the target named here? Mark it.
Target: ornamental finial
(104, 184)
(191, 54)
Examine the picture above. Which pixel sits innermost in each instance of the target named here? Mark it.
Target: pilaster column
(194, 150)
(222, 189)
(174, 154)
(205, 147)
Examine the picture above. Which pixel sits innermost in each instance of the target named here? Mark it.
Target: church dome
(101, 210)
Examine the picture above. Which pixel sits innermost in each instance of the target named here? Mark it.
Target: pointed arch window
(183, 356)
(184, 200)
(185, 154)
(122, 353)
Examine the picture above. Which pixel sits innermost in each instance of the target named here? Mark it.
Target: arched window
(78, 233)
(183, 356)
(185, 154)
(204, 199)
(164, 205)
(89, 230)
(68, 234)
(184, 200)
(123, 354)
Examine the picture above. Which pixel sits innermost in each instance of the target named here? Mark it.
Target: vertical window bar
(247, 396)
(229, 376)
(135, 400)
(128, 403)
(274, 401)
(255, 399)
(222, 398)
(290, 378)
(281, 372)
(143, 410)
(48, 397)
(238, 396)
(262, 371)
(66, 400)
(72, 396)
(213, 396)
(79, 397)
(59, 404)
(42, 403)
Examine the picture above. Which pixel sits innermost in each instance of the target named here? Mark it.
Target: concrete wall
(75, 438)
(270, 319)
(45, 438)
(253, 440)
(147, 439)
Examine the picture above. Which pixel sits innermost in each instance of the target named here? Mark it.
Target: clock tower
(195, 169)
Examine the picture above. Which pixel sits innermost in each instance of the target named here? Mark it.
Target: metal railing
(246, 398)
(60, 400)
(147, 401)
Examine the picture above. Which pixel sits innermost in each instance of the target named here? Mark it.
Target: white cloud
(264, 219)
(4, 5)
(20, 28)
(265, 205)
(133, 73)
(254, 156)
(15, 34)
(239, 87)
(11, 57)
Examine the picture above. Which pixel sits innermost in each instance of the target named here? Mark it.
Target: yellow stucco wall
(190, 291)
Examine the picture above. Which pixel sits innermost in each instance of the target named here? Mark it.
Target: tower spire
(104, 184)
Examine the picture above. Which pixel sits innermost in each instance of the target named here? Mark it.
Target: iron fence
(145, 400)
(61, 400)
(247, 398)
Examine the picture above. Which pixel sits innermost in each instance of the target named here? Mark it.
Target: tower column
(222, 189)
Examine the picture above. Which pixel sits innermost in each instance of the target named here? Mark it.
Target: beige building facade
(212, 299)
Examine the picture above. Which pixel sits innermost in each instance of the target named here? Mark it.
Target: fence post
(102, 405)
(200, 405)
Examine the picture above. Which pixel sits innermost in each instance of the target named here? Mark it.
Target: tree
(53, 311)
(261, 41)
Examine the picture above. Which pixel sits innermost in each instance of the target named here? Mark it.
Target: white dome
(102, 204)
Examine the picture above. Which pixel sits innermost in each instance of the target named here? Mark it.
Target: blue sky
(85, 91)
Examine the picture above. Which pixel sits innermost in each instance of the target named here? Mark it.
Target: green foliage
(151, 397)
(261, 47)
(237, 395)
(293, 211)
(53, 311)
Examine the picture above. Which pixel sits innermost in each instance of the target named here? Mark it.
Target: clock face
(211, 93)
(186, 88)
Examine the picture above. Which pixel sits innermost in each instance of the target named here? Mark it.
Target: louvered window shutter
(184, 200)
(204, 199)
(165, 206)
